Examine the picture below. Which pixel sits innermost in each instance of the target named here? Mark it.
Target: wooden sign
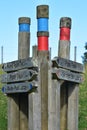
(67, 75)
(19, 64)
(21, 75)
(67, 64)
(19, 87)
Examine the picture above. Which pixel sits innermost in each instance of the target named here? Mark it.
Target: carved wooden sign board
(67, 75)
(19, 64)
(18, 76)
(67, 64)
(19, 87)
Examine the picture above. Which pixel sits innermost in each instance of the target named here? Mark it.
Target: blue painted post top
(24, 24)
(42, 24)
(24, 27)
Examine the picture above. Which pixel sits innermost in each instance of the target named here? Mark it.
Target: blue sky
(10, 11)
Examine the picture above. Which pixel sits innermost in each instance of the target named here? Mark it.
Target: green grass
(83, 105)
(83, 109)
(3, 108)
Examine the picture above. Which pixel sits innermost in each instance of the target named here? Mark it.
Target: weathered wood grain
(13, 112)
(18, 103)
(23, 53)
(73, 102)
(63, 52)
(63, 106)
(67, 64)
(54, 105)
(19, 64)
(67, 75)
(24, 87)
(35, 101)
(21, 75)
(43, 57)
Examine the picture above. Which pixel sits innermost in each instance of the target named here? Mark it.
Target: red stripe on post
(65, 33)
(43, 43)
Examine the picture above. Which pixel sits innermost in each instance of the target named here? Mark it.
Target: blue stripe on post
(42, 24)
(3, 89)
(30, 86)
(24, 27)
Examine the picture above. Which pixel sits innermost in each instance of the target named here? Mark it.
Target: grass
(83, 110)
(3, 108)
(83, 104)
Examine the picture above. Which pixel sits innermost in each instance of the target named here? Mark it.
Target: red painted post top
(64, 33)
(43, 43)
(65, 26)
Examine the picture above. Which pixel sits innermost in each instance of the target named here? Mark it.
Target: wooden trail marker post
(18, 103)
(24, 52)
(35, 102)
(64, 52)
(53, 99)
(18, 120)
(73, 102)
(43, 57)
(19, 80)
(70, 73)
(42, 93)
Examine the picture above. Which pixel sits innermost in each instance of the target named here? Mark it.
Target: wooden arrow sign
(67, 64)
(67, 75)
(19, 87)
(19, 64)
(18, 76)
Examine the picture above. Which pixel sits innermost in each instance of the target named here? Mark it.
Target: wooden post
(23, 52)
(64, 52)
(43, 64)
(1, 54)
(73, 99)
(53, 102)
(34, 52)
(75, 53)
(73, 106)
(24, 38)
(35, 102)
(43, 57)
(13, 112)
(19, 120)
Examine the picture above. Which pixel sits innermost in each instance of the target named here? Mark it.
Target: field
(3, 108)
(82, 106)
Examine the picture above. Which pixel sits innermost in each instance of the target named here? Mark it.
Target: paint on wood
(19, 64)
(23, 52)
(21, 75)
(67, 75)
(67, 64)
(64, 52)
(19, 87)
